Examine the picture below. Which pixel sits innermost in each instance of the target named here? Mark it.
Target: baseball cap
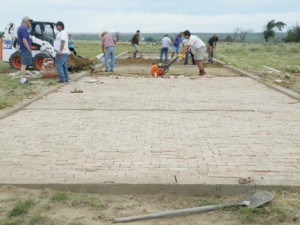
(59, 23)
(26, 18)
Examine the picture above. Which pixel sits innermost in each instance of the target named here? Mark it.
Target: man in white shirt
(165, 43)
(62, 52)
(199, 48)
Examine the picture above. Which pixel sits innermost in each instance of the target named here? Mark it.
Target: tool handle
(176, 212)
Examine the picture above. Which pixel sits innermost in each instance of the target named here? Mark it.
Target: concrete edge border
(283, 90)
(173, 189)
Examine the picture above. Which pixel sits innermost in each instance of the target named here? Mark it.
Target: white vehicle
(42, 35)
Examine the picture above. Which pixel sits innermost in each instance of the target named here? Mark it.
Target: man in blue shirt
(177, 40)
(25, 43)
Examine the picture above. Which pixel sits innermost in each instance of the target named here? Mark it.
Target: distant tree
(293, 34)
(270, 29)
(228, 39)
(239, 34)
(236, 32)
(149, 39)
(244, 33)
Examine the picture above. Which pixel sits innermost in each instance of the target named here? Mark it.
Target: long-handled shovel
(255, 200)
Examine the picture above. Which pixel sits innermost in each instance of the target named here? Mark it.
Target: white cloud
(154, 15)
(164, 22)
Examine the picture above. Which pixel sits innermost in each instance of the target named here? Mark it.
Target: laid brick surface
(140, 130)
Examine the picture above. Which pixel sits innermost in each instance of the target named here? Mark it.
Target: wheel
(15, 61)
(39, 59)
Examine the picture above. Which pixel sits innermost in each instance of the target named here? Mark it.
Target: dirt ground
(142, 66)
(63, 208)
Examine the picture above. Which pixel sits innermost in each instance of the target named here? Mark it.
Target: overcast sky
(153, 15)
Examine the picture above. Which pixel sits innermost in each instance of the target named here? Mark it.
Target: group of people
(61, 46)
(108, 43)
(192, 45)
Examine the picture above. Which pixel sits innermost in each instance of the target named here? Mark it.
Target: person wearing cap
(165, 43)
(62, 52)
(24, 42)
(135, 41)
(177, 40)
(211, 45)
(108, 43)
(199, 48)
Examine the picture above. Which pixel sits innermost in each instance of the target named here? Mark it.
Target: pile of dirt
(212, 65)
(143, 61)
(131, 61)
(78, 62)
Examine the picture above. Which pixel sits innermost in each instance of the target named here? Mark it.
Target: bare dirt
(140, 67)
(77, 62)
(92, 209)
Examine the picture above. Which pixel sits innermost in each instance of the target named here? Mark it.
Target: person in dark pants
(165, 43)
(71, 45)
(62, 52)
(190, 52)
(211, 45)
(135, 41)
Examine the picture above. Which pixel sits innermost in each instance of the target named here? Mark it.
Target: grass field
(284, 57)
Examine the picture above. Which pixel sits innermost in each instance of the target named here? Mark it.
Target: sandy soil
(92, 209)
(141, 67)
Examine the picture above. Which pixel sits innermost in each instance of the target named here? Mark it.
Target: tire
(39, 59)
(15, 61)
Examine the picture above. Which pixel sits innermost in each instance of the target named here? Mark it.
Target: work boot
(202, 72)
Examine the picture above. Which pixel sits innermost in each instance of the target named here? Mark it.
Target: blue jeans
(162, 52)
(61, 64)
(109, 53)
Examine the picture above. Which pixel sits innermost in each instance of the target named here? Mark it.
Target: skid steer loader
(43, 36)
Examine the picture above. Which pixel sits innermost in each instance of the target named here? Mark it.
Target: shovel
(255, 200)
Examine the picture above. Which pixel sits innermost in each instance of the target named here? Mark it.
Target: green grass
(11, 91)
(252, 215)
(82, 199)
(251, 57)
(9, 223)
(284, 57)
(59, 197)
(38, 219)
(21, 208)
(92, 48)
(4, 67)
(76, 223)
